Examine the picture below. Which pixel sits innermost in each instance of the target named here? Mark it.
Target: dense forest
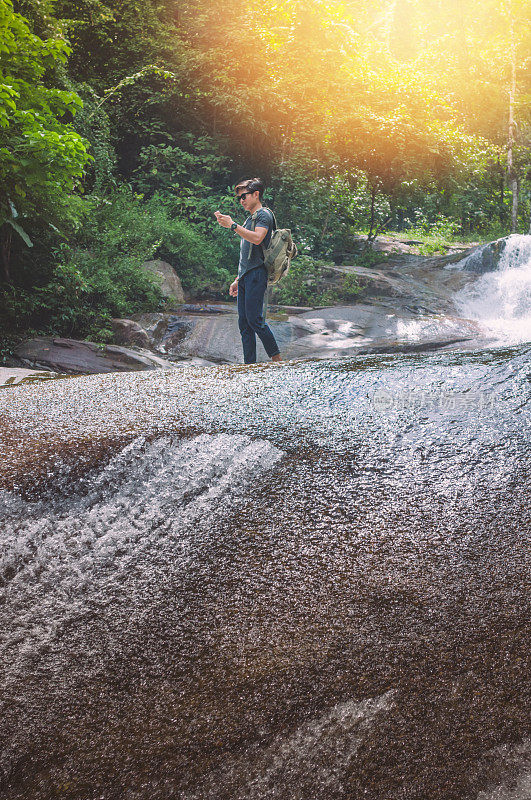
(124, 125)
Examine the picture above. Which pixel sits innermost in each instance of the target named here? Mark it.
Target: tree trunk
(511, 175)
(373, 201)
(6, 236)
(515, 185)
(325, 226)
(501, 187)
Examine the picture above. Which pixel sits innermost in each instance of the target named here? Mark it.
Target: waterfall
(500, 301)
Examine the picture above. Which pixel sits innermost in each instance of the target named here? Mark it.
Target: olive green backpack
(279, 252)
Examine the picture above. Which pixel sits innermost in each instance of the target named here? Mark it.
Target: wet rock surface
(302, 580)
(406, 305)
(81, 357)
(11, 376)
(127, 332)
(294, 580)
(486, 257)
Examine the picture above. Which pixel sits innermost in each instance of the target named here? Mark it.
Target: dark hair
(252, 185)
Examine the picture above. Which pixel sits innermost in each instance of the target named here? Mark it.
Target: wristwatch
(234, 226)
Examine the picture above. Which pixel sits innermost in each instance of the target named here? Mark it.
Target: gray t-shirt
(250, 258)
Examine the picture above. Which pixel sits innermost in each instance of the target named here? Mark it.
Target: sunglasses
(242, 195)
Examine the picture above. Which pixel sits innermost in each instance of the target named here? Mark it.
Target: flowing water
(501, 300)
(305, 580)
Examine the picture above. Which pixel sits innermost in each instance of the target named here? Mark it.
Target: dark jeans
(251, 289)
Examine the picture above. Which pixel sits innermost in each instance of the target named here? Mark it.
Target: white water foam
(434, 326)
(154, 504)
(501, 301)
(311, 761)
(519, 787)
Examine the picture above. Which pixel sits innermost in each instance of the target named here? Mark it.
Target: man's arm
(255, 237)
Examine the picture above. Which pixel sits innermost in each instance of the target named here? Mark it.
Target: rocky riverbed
(405, 305)
(297, 580)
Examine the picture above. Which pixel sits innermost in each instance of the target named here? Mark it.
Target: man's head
(250, 191)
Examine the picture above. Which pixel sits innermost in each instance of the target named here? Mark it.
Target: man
(251, 283)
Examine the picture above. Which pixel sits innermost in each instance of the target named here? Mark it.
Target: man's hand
(233, 288)
(224, 219)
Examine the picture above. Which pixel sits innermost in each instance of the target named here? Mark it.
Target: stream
(299, 580)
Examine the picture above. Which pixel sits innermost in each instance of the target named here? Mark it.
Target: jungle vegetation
(124, 125)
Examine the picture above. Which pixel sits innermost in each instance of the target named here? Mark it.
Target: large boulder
(128, 332)
(379, 326)
(484, 258)
(171, 285)
(512, 250)
(509, 252)
(156, 327)
(214, 337)
(370, 328)
(81, 357)
(167, 332)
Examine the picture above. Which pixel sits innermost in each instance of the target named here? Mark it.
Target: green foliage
(124, 226)
(110, 43)
(300, 285)
(183, 165)
(308, 283)
(80, 298)
(93, 123)
(190, 181)
(41, 156)
(435, 235)
(302, 200)
(357, 121)
(369, 258)
(123, 230)
(8, 342)
(349, 288)
(98, 275)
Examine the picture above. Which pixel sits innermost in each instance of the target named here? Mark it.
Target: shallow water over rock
(305, 580)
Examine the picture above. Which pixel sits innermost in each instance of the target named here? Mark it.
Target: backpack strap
(275, 226)
(253, 226)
